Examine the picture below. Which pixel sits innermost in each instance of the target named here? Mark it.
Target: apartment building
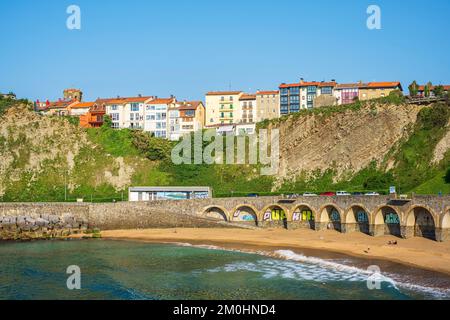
(126, 112)
(246, 112)
(185, 118)
(267, 105)
(302, 95)
(221, 107)
(156, 116)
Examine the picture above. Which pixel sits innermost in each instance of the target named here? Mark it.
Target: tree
(107, 122)
(413, 89)
(439, 91)
(427, 89)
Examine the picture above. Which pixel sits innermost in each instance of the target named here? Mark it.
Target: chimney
(140, 95)
(302, 80)
(333, 80)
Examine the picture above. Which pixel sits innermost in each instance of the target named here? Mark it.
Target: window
(295, 90)
(115, 125)
(131, 116)
(114, 107)
(135, 107)
(189, 113)
(312, 89)
(114, 117)
(222, 98)
(294, 99)
(231, 98)
(327, 90)
(284, 92)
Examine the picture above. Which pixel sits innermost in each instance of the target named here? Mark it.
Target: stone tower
(73, 94)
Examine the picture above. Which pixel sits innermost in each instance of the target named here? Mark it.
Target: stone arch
(215, 212)
(303, 214)
(386, 220)
(244, 213)
(331, 217)
(357, 218)
(421, 221)
(445, 219)
(275, 215)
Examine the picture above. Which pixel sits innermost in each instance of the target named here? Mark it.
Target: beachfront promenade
(422, 216)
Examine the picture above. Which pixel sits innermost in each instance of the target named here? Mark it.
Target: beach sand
(416, 252)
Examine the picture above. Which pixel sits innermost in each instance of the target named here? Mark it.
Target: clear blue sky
(187, 48)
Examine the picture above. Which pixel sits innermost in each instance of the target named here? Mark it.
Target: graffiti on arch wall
(244, 216)
(303, 215)
(274, 215)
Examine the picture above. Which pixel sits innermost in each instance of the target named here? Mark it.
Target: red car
(328, 194)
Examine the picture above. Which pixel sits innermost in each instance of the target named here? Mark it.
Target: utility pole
(65, 187)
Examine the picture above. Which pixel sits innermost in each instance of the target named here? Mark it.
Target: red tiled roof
(138, 99)
(383, 84)
(306, 84)
(248, 97)
(189, 105)
(223, 93)
(267, 92)
(446, 87)
(162, 101)
(81, 105)
(61, 104)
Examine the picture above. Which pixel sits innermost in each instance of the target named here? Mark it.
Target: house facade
(221, 107)
(347, 93)
(185, 118)
(297, 96)
(156, 116)
(80, 108)
(421, 90)
(267, 105)
(375, 90)
(94, 118)
(246, 111)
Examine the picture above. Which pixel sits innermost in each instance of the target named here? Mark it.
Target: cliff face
(42, 155)
(344, 141)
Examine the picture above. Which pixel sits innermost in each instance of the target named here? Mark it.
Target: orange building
(94, 117)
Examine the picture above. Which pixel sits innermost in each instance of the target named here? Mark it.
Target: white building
(156, 116)
(126, 112)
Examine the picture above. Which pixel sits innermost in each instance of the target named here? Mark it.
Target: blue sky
(187, 48)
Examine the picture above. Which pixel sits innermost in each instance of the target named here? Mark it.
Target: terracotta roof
(138, 99)
(446, 87)
(189, 105)
(383, 84)
(162, 101)
(267, 92)
(223, 93)
(61, 104)
(307, 84)
(248, 97)
(81, 105)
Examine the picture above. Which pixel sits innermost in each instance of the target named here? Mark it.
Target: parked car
(309, 194)
(358, 193)
(253, 195)
(372, 194)
(343, 193)
(328, 194)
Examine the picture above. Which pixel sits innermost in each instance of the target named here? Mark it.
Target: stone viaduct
(423, 216)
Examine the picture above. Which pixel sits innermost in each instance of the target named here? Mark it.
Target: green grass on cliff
(150, 159)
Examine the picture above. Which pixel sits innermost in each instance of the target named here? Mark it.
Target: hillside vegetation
(360, 147)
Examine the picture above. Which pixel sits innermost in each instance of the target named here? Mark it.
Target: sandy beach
(416, 252)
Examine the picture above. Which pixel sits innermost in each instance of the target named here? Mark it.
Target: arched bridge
(424, 216)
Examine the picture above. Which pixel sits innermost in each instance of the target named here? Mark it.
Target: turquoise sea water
(136, 270)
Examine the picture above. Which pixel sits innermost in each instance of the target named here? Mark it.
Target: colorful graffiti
(304, 215)
(391, 218)
(335, 216)
(244, 216)
(362, 217)
(274, 215)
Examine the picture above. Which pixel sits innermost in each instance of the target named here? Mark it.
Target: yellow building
(374, 90)
(223, 107)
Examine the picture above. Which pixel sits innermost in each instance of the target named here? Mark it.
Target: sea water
(137, 270)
